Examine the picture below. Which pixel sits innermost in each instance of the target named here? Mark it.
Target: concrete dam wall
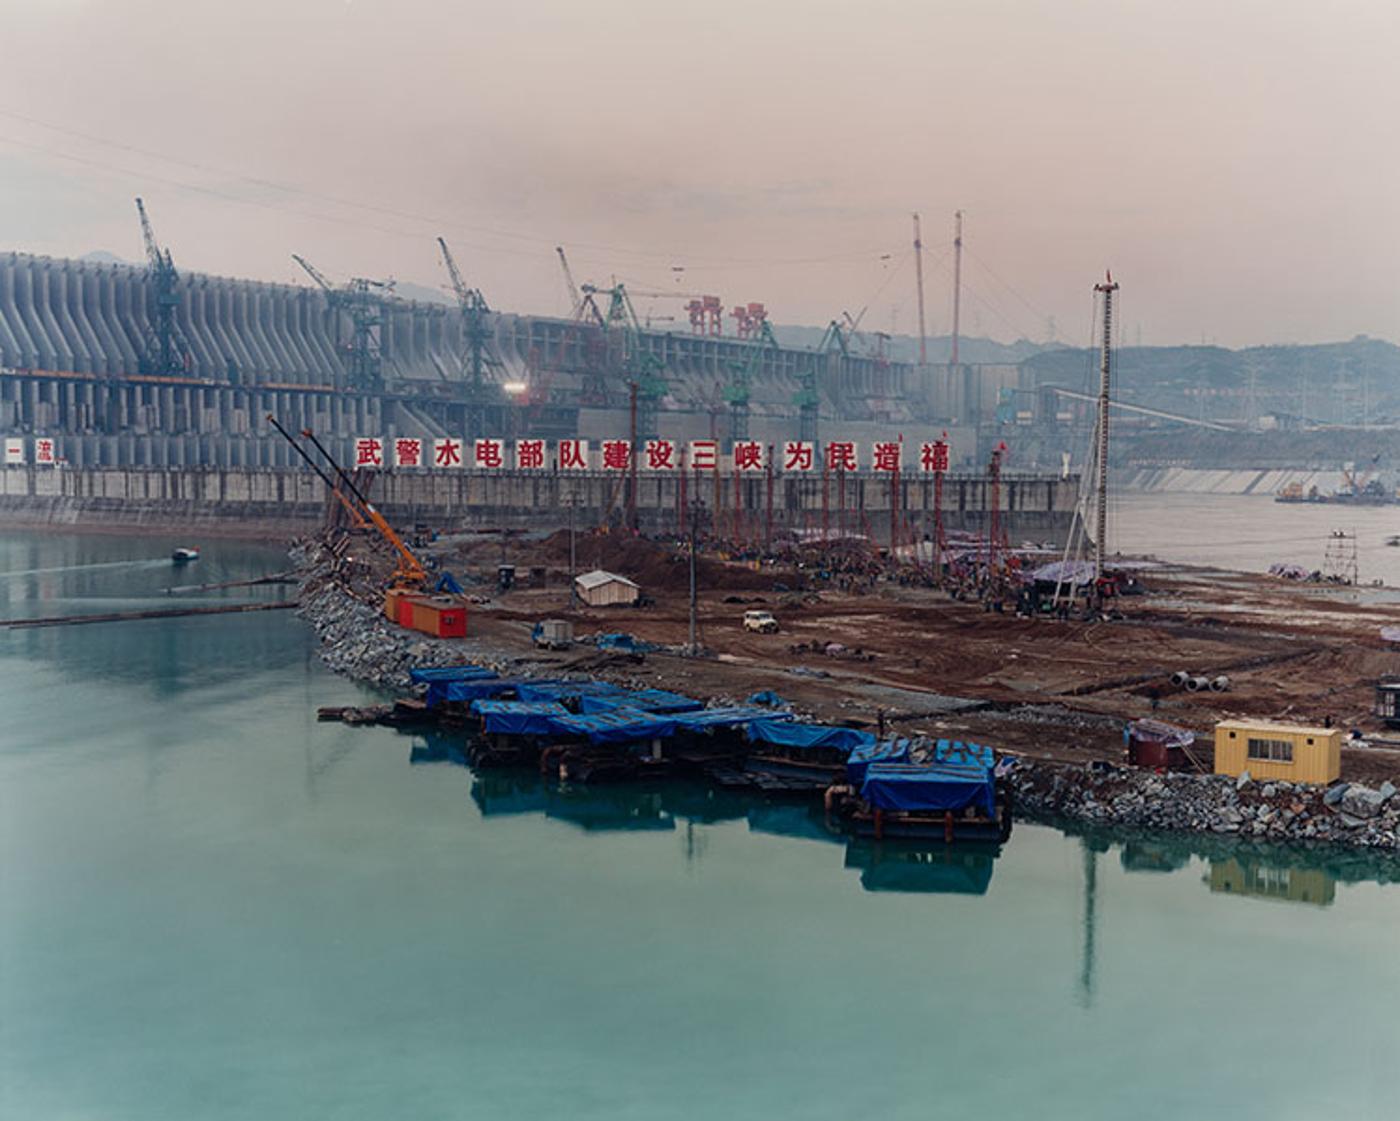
(75, 365)
(1037, 507)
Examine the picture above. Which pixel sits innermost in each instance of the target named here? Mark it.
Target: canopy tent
(620, 726)
(1072, 572)
(726, 717)
(427, 675)
(518, 718)
(860, 759)
(648, 700)
(899, 787)
(789, 733)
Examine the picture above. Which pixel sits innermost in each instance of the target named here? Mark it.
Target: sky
(1233, 162)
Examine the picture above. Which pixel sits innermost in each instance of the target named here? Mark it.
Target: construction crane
(164, 349)
(477, 355)
(362, 300)
(737, 392)
(575, 300)
(409, 572)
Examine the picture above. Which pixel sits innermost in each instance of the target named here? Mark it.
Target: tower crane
(575, 301)
(362, 300)
(164, 350)
(477, 335)
(737, 392)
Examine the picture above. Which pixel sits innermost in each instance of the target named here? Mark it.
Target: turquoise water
(215, 907)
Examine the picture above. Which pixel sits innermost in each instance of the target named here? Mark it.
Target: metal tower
(476, 335)
(362, 301)
(919, 273)
(738, 391)
(163, 350)
(957, 282)
(1108, 288)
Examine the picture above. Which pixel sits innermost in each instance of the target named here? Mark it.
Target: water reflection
(944, 870)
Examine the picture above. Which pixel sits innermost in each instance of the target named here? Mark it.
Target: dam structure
(121, 371)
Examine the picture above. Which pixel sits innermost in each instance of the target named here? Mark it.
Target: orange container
(440, 616)
(392, 598)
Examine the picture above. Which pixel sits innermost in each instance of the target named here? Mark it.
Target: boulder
(1362, 801)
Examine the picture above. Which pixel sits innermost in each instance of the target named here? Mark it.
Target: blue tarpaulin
(766, 697)
(518, 718)
(931, 789)
(622, 725)
(648, 700)
(567, 690)
(465, 692)
(967, 754)
(788, 733)
(887, 751)
(426, 675)
(726, 717)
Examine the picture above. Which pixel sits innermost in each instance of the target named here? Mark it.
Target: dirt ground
(1050, 689)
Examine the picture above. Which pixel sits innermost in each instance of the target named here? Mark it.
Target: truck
(760, 621)
(553, 634)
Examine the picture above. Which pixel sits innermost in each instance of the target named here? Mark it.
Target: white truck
(760, 621)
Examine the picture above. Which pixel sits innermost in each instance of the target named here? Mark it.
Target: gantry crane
(477, 356)
(362, 300)
(164, 349)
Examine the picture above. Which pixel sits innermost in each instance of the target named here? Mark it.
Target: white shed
(604, 589)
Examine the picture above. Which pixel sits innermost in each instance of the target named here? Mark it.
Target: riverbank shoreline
(339, 601)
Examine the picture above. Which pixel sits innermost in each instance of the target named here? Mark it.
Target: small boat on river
(184, 555)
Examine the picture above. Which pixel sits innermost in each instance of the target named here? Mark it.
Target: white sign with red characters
(14, 450)
(44, 451)
(659, 455)
(799, 455)
(617, 455)
(529, 455)
(573, 455)
(934, 456)
(655, 454)
(704, 455)
(841, 456)
(748, 455)
(447, 452)
(489, 455)
(887, 455)
(408, 452)
(369, 452)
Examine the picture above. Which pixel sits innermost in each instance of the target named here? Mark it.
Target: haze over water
(215, 907)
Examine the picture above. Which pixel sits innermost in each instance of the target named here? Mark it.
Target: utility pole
(919, 272)
(573, 553)
(957, 282)
(1108, 287)
(691, 647)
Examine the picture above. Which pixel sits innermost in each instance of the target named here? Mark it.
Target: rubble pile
(1343, 813)
(340, 600)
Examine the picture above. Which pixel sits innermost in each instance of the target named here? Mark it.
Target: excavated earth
(1056, 694)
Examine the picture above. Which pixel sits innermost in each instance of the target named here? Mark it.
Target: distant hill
(905, 348)
(1349, 383)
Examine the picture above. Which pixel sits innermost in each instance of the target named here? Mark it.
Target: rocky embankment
(1343, 813)
(342, 601)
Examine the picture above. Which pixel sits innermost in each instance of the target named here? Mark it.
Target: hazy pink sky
(1234, 162)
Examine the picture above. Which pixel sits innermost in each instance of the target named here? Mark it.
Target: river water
(211, 906)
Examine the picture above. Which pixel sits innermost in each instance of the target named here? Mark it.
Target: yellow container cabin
(1291, 752)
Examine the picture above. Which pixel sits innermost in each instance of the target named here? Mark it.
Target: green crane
(638, 364)
(477, 356)
(737, 392)
(164, 348)
(362, 301)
